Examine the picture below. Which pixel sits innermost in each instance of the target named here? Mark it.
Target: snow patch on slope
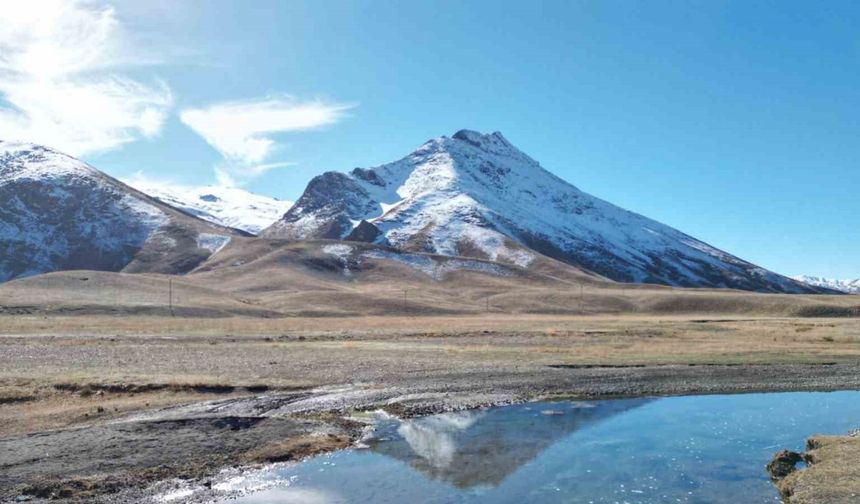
(162, 240)
(338, 250)
(343, 253)
(492, 243)
(150, 216)
(212, 242)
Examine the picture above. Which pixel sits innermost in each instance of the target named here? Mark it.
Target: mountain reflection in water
(708, 449)
(481, 448)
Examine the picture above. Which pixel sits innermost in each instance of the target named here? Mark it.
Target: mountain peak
(471, 136)
(477, 195)
(15, 148)
(32, 161)
(493, 142)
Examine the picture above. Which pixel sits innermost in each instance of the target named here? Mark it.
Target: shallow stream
(694, 449)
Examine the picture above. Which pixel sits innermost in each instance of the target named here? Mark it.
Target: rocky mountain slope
(847, 286)
(227, 206)
(58, 213)
(477, 195)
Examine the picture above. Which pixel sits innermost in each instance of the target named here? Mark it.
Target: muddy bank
(117, 460)
(832, 474)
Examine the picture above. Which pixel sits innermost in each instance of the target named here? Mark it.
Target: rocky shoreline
(831, 475)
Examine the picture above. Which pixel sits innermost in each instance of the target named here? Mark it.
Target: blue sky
(735, 122)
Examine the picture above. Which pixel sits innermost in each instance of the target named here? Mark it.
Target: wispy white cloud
(242, 131)
(58, 84)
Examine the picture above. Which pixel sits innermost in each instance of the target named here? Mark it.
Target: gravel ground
(103, 418)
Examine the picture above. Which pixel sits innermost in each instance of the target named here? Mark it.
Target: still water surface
(695, 449)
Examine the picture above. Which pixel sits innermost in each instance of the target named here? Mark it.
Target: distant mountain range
(471, 195)
(848, 286)
(227, 206)
(477, 195)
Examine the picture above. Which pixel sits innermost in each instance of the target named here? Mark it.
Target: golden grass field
(46, 358)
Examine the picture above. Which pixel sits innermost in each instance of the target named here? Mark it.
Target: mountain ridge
(477, 195)
(469, 195)
(225, 206)
(849, 286)
(60, 213)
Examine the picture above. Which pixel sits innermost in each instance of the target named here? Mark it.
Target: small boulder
(365, 232)
(784, 462)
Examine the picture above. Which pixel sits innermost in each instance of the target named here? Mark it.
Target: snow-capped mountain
(847, 286)
(59, 213)
(227, 206)
(477, 195)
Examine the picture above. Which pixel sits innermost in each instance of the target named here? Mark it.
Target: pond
(694, 449)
